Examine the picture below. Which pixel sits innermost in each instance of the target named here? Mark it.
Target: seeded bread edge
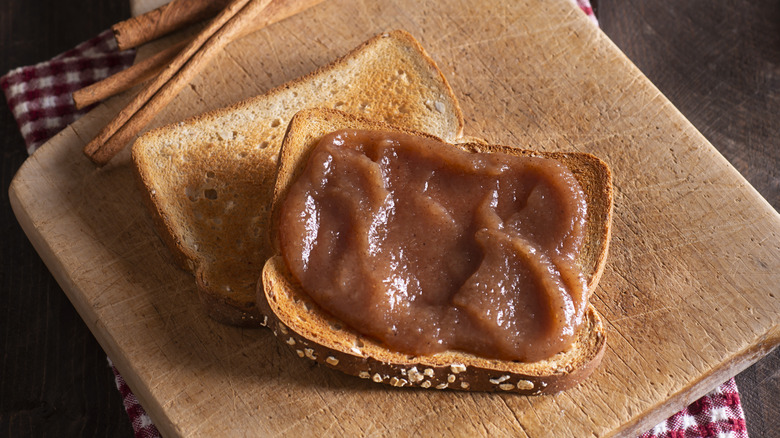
(314, 334)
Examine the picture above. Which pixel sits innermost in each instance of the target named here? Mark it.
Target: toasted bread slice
(208, 181)
(317, 335)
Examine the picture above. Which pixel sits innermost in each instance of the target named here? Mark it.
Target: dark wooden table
(718, 61)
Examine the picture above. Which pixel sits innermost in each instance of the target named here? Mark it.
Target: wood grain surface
(54, 378)
(56, 385)
(719, 64)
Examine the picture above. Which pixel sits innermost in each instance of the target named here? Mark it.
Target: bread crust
(303, 326)
(225, 299)
(314, 334)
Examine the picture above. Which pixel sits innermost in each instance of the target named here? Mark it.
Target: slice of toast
(208, 181)
(315, 334)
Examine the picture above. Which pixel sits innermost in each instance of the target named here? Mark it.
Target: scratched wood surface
(689, 293)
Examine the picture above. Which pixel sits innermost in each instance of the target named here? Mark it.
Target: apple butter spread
(426, 247)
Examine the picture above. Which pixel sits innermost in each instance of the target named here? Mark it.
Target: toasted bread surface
(315, 334)
(208, 181)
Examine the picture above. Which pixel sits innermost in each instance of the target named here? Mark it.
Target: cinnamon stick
(164, 20)
(133, 118)
(130, 120)
(119, 82)
(125, 79)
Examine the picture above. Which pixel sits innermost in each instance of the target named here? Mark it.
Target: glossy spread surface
(426, 247)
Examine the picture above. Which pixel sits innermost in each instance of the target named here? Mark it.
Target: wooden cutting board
(689, 296)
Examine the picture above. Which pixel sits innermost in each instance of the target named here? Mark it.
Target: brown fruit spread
(426, 247)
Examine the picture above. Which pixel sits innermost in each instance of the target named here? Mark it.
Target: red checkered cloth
(142, 424)
(717, 414)
(587, 9)
(40, 95)
(40, 99)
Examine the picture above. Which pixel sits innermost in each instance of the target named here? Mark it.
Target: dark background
(718, 61)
